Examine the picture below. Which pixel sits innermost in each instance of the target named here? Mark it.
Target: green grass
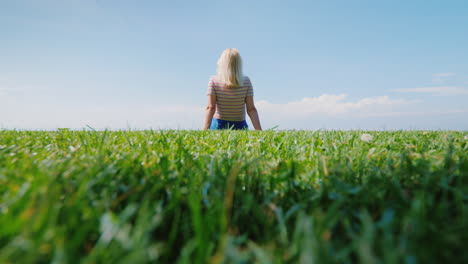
(233, 197)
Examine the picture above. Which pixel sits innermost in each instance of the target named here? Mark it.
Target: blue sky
(313, 64)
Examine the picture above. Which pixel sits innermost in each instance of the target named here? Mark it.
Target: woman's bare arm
(252, 112)
(209, 112)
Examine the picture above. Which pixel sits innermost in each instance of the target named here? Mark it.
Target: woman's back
(230, 94)
(230, 101)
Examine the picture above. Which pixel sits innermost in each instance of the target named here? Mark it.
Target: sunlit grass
(233, 197)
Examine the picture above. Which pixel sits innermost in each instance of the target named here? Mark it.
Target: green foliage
(233, 197)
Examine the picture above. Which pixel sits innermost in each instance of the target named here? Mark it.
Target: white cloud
(443, 76)
(418, 113)
(331, 105)
(339, 112)
(141, 117)
(440, 90)
(325, 111)
(6, 91)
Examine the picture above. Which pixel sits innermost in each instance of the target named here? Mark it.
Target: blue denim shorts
(225, 124)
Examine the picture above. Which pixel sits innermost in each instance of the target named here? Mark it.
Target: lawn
(233, 196)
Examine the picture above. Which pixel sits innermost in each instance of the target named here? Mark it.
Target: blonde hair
(230, 68)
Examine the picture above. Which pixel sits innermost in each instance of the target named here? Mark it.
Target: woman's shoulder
(247, 80)
(212, 81)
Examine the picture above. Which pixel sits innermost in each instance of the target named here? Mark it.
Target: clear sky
(313, 64)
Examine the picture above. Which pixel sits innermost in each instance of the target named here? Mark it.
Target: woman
(229, 94)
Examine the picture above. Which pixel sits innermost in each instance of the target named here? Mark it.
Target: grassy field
(233, 197)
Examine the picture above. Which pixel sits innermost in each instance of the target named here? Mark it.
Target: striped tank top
(230, 102)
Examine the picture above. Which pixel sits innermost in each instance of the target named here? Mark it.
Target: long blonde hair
(230, 68)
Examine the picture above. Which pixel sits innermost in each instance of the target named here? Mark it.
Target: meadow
(233, 196)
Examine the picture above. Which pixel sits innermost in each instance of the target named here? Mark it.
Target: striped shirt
(230, 102)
